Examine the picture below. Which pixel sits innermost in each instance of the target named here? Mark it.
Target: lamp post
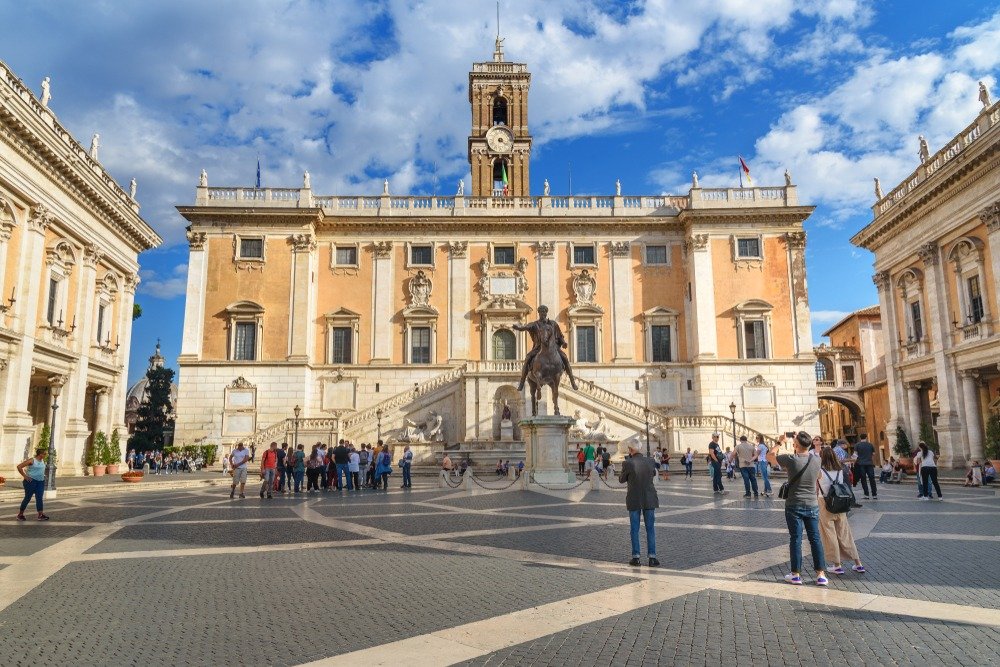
(55, 387)
(297, 412)
(378, 427)
(732, 411)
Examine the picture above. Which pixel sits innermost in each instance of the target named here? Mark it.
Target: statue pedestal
(506, 430)
(546, 443)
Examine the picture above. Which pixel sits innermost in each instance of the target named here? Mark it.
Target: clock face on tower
(500, 139)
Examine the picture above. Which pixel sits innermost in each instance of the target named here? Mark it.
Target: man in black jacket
(641, 501)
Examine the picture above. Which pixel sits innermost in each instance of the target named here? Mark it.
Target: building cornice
(33, 131)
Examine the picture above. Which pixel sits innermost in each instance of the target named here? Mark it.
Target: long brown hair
(828, 460)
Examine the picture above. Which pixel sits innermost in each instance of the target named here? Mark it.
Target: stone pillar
(17, 422)
(101, 411)
(194, 304)
(973, 415)
(300, 324)
(622, 332)
(118, 390)
(892, 333)
(548, 285)
(914, 412)
(546, 443)
(75, 391)
(802, 330)
(698, 250)
(6, 230)
(949, 425)
(459, 324)
(382, 307)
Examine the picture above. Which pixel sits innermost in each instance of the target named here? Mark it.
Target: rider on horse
(532, 329)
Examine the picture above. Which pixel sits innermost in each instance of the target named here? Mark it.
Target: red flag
(745, 171)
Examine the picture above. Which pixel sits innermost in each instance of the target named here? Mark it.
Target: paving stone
(450, 523)
(24, 539)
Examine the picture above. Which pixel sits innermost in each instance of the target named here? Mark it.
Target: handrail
(391, 403)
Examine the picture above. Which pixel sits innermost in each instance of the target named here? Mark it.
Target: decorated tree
(153, 415)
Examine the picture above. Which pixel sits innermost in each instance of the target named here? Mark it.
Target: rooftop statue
(924, 150)
(203, 179)
(95, 143)
(984, 95)
(46, 92)
(878, 190)
(131, 188)
(694, 179)
(306, 180)
(545, 188)
(461, 187)
(788, 179)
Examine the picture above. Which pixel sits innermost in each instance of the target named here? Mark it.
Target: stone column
(802, 330)
(101, 411)
(991, 218)
(949, 426)
(300, 325)
(548, 287)
(194, 304)
(75, 391)
(382, 306)
(622, 332)
(459, 324)
(892, 333)
(124, 337)
(705, 340)
(17, 424)
(914, 411)
(973, 415)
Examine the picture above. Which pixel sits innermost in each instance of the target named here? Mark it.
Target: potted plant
(95, 455)
(929, 437)
(132, 476)
(992, 445)
(114, 456)
(902, 450)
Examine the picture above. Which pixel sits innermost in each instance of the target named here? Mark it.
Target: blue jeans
(649, 518)
(297, 476)
(342, 471)
(796, 517)
(716, 476)
(281, 478)
(406, 475)
(688, 469)
(36, 488)
(765, 471)
(749, 475)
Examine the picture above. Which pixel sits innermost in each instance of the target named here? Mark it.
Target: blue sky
(836, 91)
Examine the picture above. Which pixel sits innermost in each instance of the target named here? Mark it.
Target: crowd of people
(158, 463)
(289, 469)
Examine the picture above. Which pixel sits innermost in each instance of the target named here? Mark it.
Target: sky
(835, 91)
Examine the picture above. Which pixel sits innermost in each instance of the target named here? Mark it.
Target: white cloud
(164, 287)
(828, 316)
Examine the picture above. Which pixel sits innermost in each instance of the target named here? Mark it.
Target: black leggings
(929, 475)
(312, 474)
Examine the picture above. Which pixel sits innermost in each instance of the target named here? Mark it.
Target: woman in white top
(928, 471)
(834, 530)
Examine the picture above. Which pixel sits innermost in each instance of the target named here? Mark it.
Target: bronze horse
(546, 368)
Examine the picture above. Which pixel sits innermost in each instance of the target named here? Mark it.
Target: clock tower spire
(499, 144)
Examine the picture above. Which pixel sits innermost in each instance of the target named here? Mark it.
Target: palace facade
(936, 239)
(370, 312)
(69, 242)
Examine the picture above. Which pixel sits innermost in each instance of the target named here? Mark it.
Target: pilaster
(303, 247)
(801, 326)
(705, 339)
(459, 324)
(382, 303)
(194, 304)
(991, 218)
(622, 332)
(892, 335)
(973, 416)
(548, 287)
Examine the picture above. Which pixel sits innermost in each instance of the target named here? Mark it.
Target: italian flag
(745, 171)
(503, 175)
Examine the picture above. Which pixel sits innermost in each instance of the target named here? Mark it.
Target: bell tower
(499, 144)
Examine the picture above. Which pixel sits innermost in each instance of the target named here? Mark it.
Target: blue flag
(258, 172)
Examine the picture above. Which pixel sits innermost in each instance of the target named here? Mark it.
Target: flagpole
(739, 168)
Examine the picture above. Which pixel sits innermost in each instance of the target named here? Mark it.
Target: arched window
(500, 111)
(504, 345)
(824, 370)
(501, 178)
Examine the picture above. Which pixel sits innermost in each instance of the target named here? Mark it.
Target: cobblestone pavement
(440, 576)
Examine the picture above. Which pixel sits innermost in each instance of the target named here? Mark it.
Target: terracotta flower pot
(113, 469)
(3, 480)
(98, 471)
(132, 477)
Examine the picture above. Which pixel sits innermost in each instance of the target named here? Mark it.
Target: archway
(509, 395)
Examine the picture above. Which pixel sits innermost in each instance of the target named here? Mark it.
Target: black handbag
(783, 490)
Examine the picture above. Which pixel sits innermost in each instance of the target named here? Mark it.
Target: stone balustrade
(548, 206)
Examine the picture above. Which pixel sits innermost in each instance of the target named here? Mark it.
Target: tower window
(501, 178)
(500, 111)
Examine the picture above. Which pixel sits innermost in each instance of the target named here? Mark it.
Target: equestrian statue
(546, 362)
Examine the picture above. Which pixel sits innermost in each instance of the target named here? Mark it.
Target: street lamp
(645, 409)
(56, 385)
(378, 427)
(297, 412)
(732, 411)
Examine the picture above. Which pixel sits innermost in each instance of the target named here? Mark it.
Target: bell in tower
(499, 144)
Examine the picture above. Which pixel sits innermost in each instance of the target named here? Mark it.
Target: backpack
(839, 497)
(363, 458)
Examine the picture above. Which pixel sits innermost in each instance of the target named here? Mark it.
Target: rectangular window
(753, 339)
(656, 254)
(661, 343)
(916, 321)
(583, 254)
(100, 323)
(421, 255)
(50, 313)
(847, 372)
(245, 345)
(976, 311)
(503, 254)
(420, 345)
(586, 344)
(748, 247)
(251, 248)
(341, 348)
(346, 256)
